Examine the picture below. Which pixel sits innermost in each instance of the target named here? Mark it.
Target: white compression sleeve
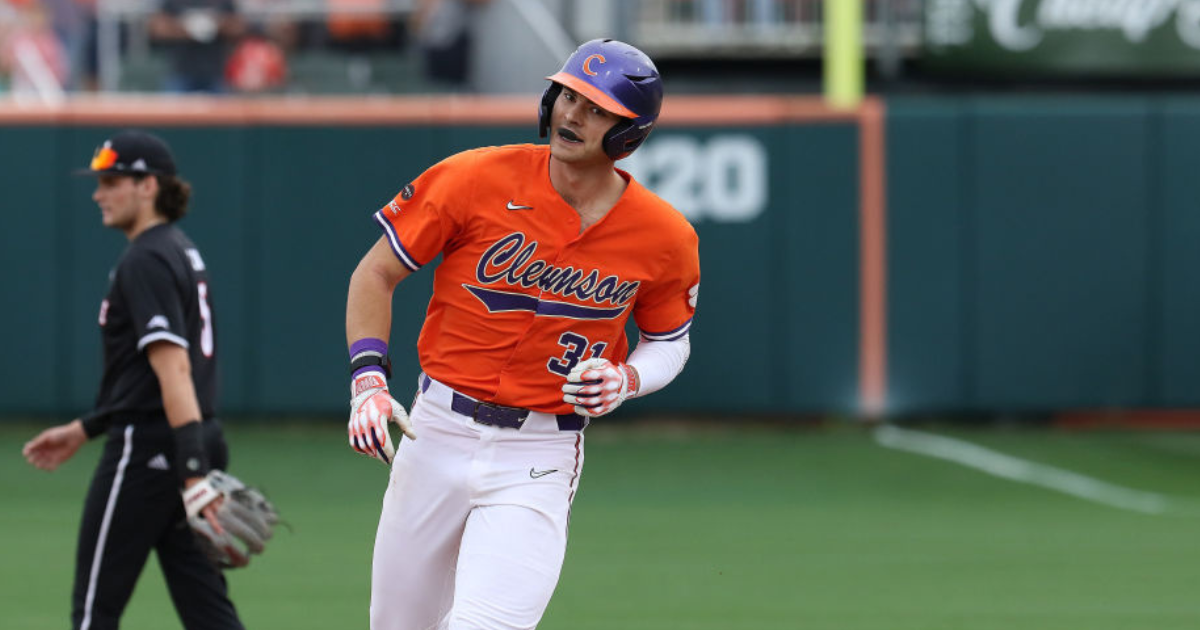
(659, 362)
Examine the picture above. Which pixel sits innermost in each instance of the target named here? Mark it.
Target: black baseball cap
(131, 152)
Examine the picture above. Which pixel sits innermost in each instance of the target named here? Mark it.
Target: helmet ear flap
(545, 107)
(623, 138)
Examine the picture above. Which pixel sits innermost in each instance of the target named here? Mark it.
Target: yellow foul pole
(843, 53)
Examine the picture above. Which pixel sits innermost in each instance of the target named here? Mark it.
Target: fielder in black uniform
(156, 402)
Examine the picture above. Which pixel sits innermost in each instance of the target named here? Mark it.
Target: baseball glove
(247, 517)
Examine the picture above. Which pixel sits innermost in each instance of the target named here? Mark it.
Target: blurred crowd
(50, 47)
(223, 46)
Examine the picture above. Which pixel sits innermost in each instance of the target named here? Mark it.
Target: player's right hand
(371, 408)
(55, 445)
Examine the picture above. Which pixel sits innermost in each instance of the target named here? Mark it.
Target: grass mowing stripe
(1017, 469)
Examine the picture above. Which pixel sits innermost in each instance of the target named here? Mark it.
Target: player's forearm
(174, 371)
(179, 399)
(659, 362)
(180, 404)
(368, 307)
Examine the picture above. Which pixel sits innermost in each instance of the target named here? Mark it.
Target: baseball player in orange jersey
(547, 251)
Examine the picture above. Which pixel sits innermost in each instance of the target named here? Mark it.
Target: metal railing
(681, 28)
(700, 28)
(110, 14)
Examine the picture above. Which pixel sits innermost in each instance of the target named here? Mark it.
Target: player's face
(121, 200)
(578, 127)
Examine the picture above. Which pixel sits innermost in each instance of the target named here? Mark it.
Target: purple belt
(499, 415)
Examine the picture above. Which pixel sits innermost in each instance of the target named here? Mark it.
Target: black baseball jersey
(158, 291)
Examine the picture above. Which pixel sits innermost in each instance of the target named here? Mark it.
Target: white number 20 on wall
(722, 179)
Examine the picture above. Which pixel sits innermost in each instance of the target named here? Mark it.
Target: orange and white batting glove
(597, 386)
(371, 408)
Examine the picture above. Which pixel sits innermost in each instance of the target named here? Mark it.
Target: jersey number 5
(206, 332)
(577, 346)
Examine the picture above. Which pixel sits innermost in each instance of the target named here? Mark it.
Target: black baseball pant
(133, 506)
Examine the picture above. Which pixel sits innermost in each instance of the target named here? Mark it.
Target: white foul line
(1017, 469)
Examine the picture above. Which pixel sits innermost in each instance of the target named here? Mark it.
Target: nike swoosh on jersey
(513, 206)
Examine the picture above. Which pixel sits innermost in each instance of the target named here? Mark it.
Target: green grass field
(707, 529)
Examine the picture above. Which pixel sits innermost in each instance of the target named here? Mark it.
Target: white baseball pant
(473, 528)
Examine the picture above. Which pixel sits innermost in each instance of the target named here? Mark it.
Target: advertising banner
(1100, 38)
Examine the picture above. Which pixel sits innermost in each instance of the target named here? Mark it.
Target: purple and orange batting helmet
(618, 78)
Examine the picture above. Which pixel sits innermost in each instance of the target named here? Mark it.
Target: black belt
(499, 415)
(123, 418)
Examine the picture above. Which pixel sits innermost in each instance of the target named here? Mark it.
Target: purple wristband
(368, 345)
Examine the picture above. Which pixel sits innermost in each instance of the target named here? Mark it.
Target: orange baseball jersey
(521, 295)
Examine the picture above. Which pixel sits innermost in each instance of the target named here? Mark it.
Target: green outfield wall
(1041, 256)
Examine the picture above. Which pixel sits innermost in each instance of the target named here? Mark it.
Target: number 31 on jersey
(577, 346)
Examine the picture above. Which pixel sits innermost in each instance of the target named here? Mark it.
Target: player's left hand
(231, 520)
(208, 499)
(597, 386)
